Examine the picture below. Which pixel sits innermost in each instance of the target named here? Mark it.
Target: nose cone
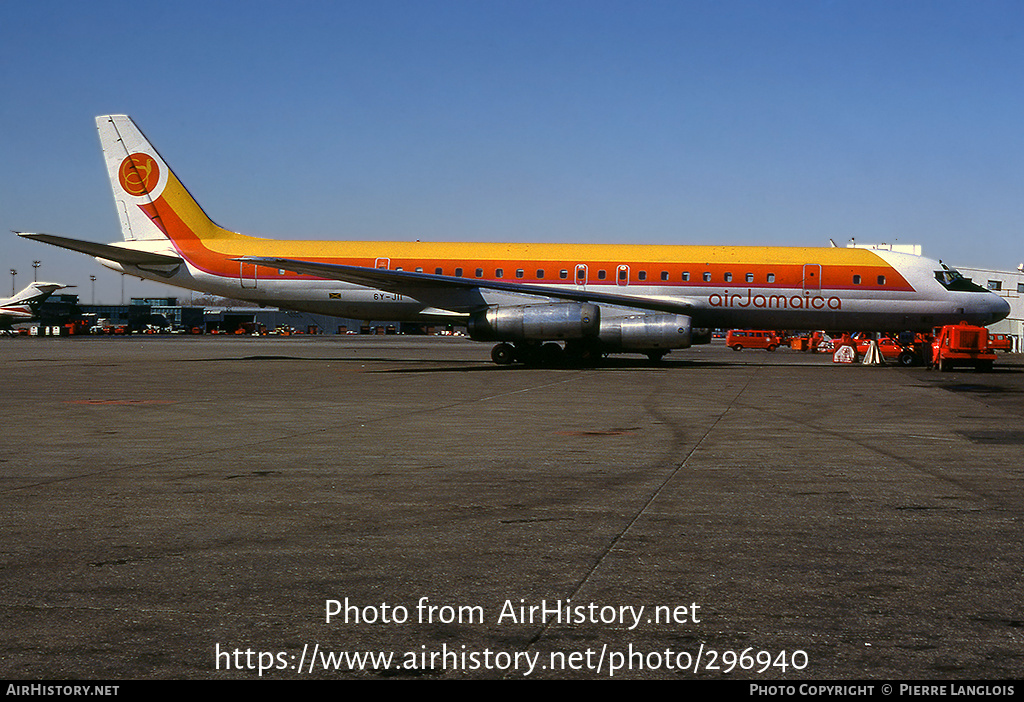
(999, 308)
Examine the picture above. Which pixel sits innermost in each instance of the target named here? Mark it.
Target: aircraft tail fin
(35, 293)
(151, 202)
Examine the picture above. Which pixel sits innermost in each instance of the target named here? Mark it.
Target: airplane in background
(22, 307)
(539, 302)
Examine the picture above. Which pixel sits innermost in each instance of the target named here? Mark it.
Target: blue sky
(775, 123)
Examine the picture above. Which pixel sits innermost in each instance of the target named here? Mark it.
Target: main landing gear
(503, 354)
(552, 355)
(549, 354)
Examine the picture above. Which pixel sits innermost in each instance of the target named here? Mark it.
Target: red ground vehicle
(962, 345)
(739, 339)
(1000, 342)
(890, 348)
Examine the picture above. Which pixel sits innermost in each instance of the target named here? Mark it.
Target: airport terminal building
(166, 314)
(1010, 286)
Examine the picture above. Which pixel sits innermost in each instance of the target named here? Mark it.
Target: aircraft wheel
(577, 354)
(551, 354)
(656, 356)
(528, 354)
(503, 354)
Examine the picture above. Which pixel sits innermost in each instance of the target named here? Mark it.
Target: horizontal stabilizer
(416, 284)
(105, 251)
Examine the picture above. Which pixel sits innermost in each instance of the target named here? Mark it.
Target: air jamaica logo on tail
(139, 174)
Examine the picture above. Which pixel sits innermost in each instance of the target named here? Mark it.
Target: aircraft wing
(424, 286)
(105, 251)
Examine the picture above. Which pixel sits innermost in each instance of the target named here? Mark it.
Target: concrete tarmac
(193, 508)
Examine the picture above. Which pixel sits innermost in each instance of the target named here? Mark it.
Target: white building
(1010, 286)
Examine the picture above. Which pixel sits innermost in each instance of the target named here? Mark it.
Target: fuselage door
(581, 275)
(384, 263)
(812, 276)
(247, 274)
(622, 275)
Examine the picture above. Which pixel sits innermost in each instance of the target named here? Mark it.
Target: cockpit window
(952, 279)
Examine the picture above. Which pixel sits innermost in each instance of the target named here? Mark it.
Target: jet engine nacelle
(545, 322)
(647, 332)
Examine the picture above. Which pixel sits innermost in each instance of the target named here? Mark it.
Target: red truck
(962, 345)
(890, 348)
(1000, 342)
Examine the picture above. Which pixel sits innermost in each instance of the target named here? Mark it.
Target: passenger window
(642, 275)
(419, 269)
(499, 272)
(520, 273)
(771, 277)
(728, 277)
(881, 280)
(479, 272)
(707, 277)
(622, 274)
(563, 274)
(750, 277)
(686, 275)
(458, 272)
(601, 275)
(438, 271)
(664, 275)
(856, 280)
(540, 273)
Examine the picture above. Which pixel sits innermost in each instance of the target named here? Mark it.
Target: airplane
(541, 302)
(22, 307)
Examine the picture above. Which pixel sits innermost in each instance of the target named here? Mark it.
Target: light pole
(93, 279)
(35, 271)
(14, 274)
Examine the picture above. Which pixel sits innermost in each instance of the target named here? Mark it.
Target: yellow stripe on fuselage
(210, 247)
